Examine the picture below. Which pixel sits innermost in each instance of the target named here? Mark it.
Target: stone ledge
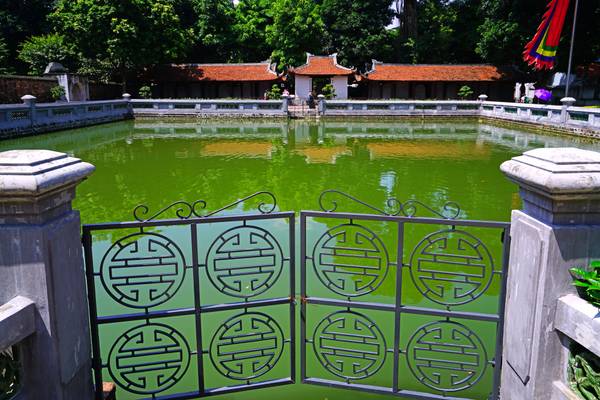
(580, 321)
(557, 171)
(561, 391)
(34, 172)
(17, 321)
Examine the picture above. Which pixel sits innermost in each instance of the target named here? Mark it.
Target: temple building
(318, 72)
(241, 81)
(440, 81)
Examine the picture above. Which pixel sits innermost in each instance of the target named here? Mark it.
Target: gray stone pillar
(30, 101)
(558, 228)
(566, 103)
(41, 260)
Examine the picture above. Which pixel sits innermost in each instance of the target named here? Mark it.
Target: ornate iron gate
(391, 302)
(432, 295)
(194, 306)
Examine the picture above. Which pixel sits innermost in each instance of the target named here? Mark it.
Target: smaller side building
(318, 72)
(210, 81)
(425, 81)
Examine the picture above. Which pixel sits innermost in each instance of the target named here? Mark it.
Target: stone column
(558, 228)
(30, 101)
(41, 259)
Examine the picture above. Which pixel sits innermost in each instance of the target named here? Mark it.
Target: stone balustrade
(32, 117)
(209, 108)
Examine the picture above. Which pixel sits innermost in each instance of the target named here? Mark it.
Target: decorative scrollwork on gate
(186, 210)
(393, 206)
(350, 260)
(451, 267)
(350, 345)
(149, 359)
(247, 346)
(244, 261)
(446, 356)
(143, 270)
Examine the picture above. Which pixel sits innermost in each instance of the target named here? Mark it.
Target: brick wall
(12, 88)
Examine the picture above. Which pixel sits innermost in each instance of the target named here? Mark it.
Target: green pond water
(157, 163)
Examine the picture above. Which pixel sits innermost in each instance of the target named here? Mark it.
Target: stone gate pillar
(558, 228)
(41, 260)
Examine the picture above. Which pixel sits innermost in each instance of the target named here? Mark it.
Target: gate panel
(403, 305)
(191, 307)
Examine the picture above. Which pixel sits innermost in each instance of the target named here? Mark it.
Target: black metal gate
(204, 304)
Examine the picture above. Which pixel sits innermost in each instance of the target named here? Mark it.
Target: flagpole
(571, 49)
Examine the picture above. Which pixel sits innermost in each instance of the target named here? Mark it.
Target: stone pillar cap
(556, 171)
(30, 173)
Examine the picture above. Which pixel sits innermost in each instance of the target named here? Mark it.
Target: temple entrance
(318, 83)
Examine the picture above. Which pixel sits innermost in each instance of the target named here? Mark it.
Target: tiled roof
(218, 72)
(321, 66)
(434, 73)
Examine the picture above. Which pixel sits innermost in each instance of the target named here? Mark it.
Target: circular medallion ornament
(349, 345)
(244, 261)
(451, 267)
(350, 260)
(446, 356)
(149, 359)
(246, 346)
(142, 270)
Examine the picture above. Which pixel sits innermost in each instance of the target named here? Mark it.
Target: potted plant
(587, 282)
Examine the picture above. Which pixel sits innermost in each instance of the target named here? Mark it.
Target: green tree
(297, 28)
(356, 29)
(252, 17)
(122, 35)
(214, 32)
(38, 51)
(4, 68)
(20, 20)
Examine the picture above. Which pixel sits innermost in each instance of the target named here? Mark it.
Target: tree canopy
(113, 38)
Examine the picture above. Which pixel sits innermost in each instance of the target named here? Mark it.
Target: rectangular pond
(160, 289)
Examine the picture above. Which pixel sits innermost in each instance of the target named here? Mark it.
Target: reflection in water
(157, 163)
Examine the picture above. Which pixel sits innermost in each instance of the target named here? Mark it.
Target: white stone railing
(565, 117)
(397, 107)
(31, 117)
(573, 117)
(192, 107)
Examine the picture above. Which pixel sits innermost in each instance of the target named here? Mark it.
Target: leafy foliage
(145, 92)
(252, 17)
(274, 93)
(112, 39)
(39, 51)
(589, 281)
(356, 29)
(9, 375)
(584, 373)
(465, 92)
(122, 34)
(297, 28)
(213, 31)
(57, 92)
(4, 68)
(328, 91)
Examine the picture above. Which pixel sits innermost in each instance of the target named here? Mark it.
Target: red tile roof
(218, 72)
(434, 73)
(321, 66)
